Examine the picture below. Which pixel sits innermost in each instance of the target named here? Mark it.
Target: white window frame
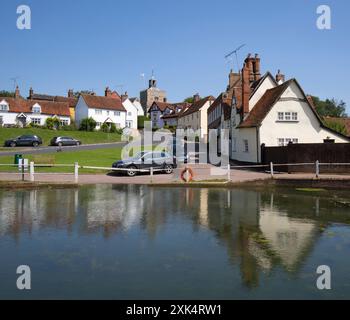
(245, 145)
(280, 116)
(287, 116)
(35, 121)
(98, 111)
(117, 113)
(294, 116)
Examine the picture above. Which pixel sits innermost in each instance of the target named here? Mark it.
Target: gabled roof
(99, 102)
(264, 105)
(20, 105)
(225, 100)
(161, 105)
(72, 101)
(256, 84)
(269, 99)
(196, 106)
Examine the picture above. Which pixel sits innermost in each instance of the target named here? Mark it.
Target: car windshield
(139, 155)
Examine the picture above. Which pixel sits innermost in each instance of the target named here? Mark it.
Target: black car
(25, 140)
(147, 160)
(64, 141)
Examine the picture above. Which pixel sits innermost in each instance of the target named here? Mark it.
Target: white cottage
(273, 113)
(108, 109)
(22, 112)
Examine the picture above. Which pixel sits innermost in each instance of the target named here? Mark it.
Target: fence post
(271, 169)
(317, 168)
(151, 171)
(228, 172)
(31, 171)
(76, 172)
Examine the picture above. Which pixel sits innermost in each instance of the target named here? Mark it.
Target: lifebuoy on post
(189, 175)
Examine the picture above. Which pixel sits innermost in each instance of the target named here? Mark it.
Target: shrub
(113, 128)
(71, 127)
(141, 121)
(53, 123)
(104, 127)
(87, 124)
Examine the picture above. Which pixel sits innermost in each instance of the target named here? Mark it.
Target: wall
(268, 83)
(307, 129)
(130, 108)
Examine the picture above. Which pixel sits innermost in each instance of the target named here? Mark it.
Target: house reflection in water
(259, 230)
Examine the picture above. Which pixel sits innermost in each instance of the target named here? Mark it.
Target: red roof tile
(47, 107)
(99, 102)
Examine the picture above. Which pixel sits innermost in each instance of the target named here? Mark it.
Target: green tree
(189, 100)
(336, 125)
(53, 123)
(141, 121)
(4, 93)
(104, 127)
(87, 124)
(330, 107)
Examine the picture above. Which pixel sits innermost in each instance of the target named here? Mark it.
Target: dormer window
(4, 106)
(36, 108)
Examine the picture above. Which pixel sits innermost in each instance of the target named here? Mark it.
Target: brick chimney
(108, 92)
(70, 93)
(31, 93)
(232, 79)
(17, 93)
(280, 78)
(245, 88)
(196, 97)
(256, 67)
(124, 96)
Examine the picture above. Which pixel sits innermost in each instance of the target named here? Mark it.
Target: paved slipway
(47, 149)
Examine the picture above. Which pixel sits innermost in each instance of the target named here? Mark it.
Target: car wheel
(78, 143)
(60, 144)
(168, 169)
(131, 171)
(12, 144)
(35, 144)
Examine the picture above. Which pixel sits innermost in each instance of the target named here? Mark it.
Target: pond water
(139, 242)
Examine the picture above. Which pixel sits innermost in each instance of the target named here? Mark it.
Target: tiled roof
(197, 105)
(161, 105)
(225, 99)
(72, 101)
(99, 102)
(264, 105)
(47, 107)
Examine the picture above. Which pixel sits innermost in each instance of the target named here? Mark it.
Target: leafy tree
(4, 93)
(77, 93)
(189, 100)
(330, 107)
(336, 125)
(141, 121)
(87, 124)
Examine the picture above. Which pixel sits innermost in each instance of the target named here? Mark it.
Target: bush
(104, 127)
(141, 121)
(87, 124)
(71, 127)
(113, 128)
(33, 125)
(53, 123)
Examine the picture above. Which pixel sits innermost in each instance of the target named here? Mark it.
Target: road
(45, 149)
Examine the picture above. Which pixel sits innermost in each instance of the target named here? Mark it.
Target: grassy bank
(47, 135)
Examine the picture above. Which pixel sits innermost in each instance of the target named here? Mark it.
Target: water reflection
(260, 231)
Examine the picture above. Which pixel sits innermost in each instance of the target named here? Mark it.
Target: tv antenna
(234, 52)
(14, 79)
(121, 86)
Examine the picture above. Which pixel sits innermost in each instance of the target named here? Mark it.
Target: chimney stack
(196, 97)
(280, 78)
(256, 67)
(124, 96)
(31, 93)
(245, 89)
(17, 93)
(108, 92)
(70, 93)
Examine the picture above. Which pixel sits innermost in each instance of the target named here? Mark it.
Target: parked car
(24, 140)
(147, 160)
(64, 141)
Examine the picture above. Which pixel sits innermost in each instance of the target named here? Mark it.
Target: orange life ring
(190, 172)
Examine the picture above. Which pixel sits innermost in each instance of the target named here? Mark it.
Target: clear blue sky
(92, 44)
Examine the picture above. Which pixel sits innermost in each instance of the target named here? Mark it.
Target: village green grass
(93, 158)
(46, 135)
